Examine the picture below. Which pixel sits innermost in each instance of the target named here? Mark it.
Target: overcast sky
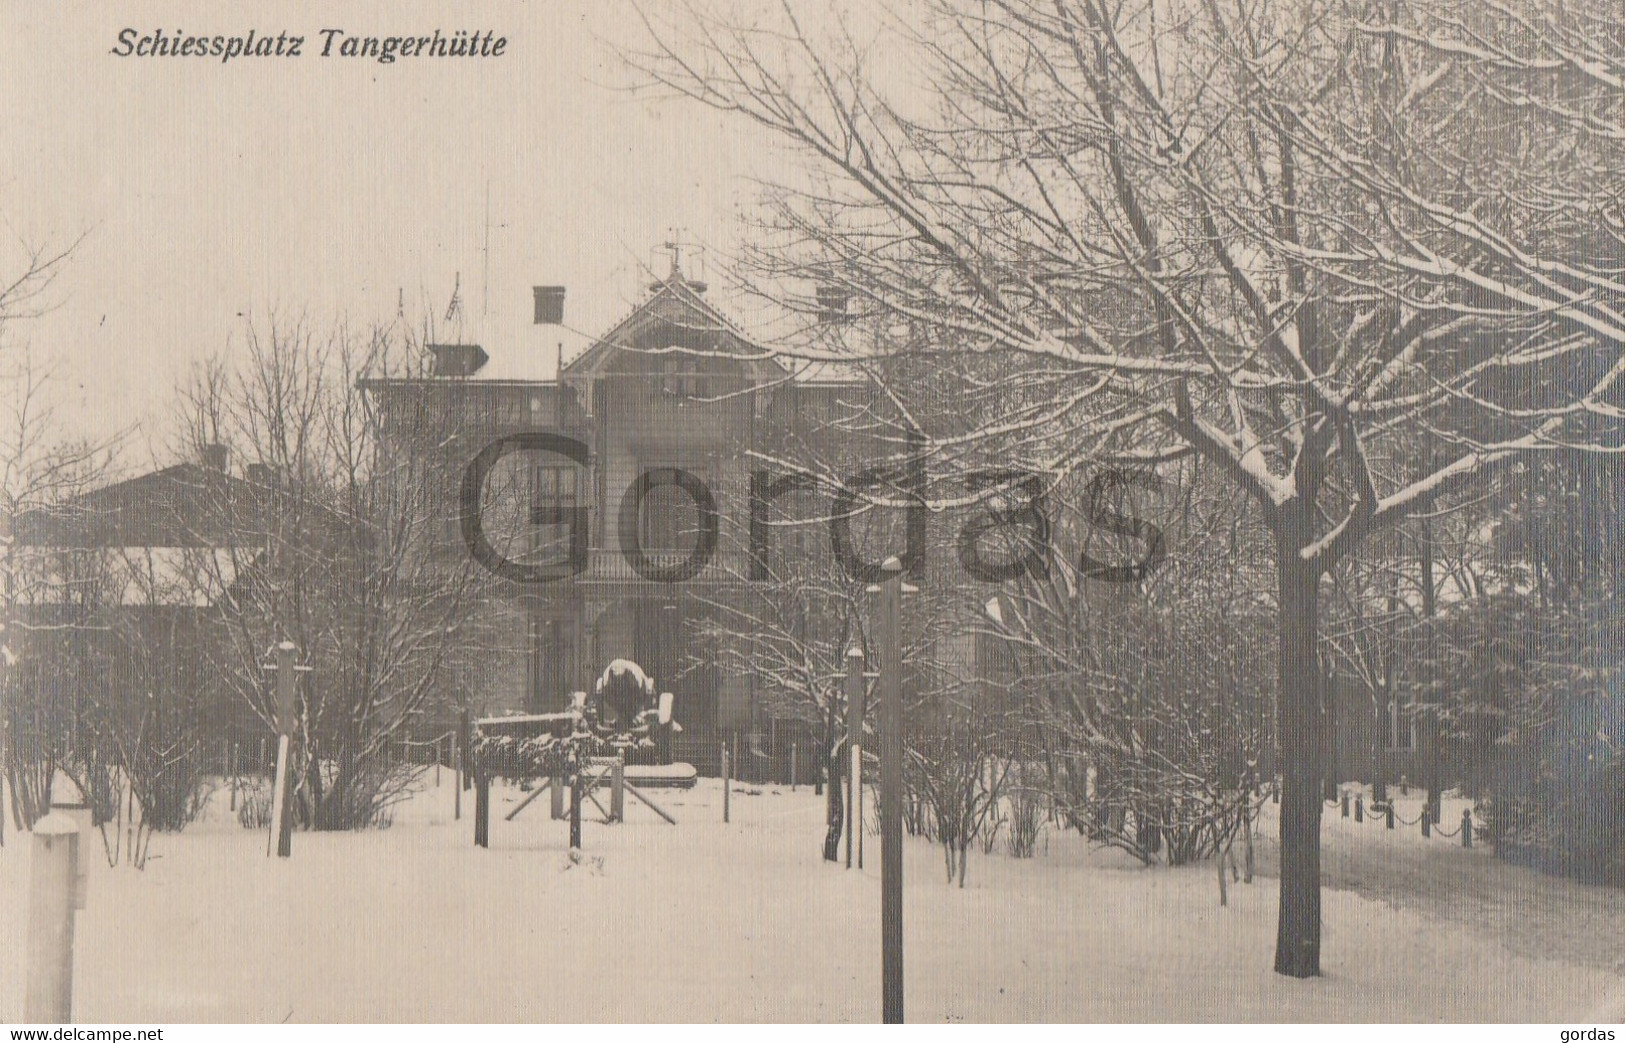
(206, 190)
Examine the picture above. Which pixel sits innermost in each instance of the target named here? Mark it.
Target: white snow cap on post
(56, 824)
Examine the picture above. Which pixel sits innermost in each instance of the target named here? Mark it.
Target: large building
(653, 423)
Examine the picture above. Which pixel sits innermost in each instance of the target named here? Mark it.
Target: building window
(668, 519)
(680, 376)
(554, 496)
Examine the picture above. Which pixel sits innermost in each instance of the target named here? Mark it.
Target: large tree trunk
(1297, 939)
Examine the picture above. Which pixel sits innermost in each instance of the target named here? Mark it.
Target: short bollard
(1404, 786)
(1345, 803)
(617, 788)
(1466, 828)
(55, 890)
(1388, 810)
(727, 781)
(1359, 807)
(1427, 828)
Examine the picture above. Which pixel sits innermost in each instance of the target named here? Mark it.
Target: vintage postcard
(868, 511)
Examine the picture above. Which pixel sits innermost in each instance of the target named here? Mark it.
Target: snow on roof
(194, 577)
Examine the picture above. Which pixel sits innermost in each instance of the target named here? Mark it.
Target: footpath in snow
(745, 922)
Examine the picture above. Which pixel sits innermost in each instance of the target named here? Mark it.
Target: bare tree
(1287, 236)
(332, 539)
(45, 600)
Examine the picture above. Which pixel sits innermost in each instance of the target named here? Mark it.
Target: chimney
(549, 305)
(215, 456)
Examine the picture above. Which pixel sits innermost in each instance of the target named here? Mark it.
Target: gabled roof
(676, 307)
(187, 505)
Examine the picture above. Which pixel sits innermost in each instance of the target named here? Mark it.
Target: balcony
(611, 566)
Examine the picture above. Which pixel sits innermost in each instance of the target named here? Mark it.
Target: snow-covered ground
(744, 922)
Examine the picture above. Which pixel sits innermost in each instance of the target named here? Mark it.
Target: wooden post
(1427, 830)
(792, 767)
(1359, 807)
(456, 780)
(617, 788)
(727, 782)
(1345, 803)
(556, 785)
(854, 745)
(889, 631)
(1466, 828)
(236, 771)
(55, 890)
(466, 739)
(1388, 808)
(482, 809)
(575, 807)
(651, 805)
(286, 668)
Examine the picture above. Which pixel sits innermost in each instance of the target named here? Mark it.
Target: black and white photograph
(812, 512)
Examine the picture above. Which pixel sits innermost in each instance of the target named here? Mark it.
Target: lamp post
(854, 744)
(889, 633)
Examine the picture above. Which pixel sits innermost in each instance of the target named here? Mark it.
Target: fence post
(1427, 829)
(287, 708)
(456, 780)
(54, 892)
(482, 810)
(792, 767)
(854, 744)
(888, 625)
(1466, 828)
(1389, 808)
(1345, 803)
(1359, 807)
(727, 781)
(617, 788)
(556, 783)
(576, 782)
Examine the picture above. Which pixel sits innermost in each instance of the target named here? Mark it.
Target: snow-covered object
(415, 923)
(621, 668)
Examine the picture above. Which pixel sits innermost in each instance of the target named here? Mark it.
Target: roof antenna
(455, 308)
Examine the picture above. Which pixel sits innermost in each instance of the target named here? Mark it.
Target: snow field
(745, 922)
